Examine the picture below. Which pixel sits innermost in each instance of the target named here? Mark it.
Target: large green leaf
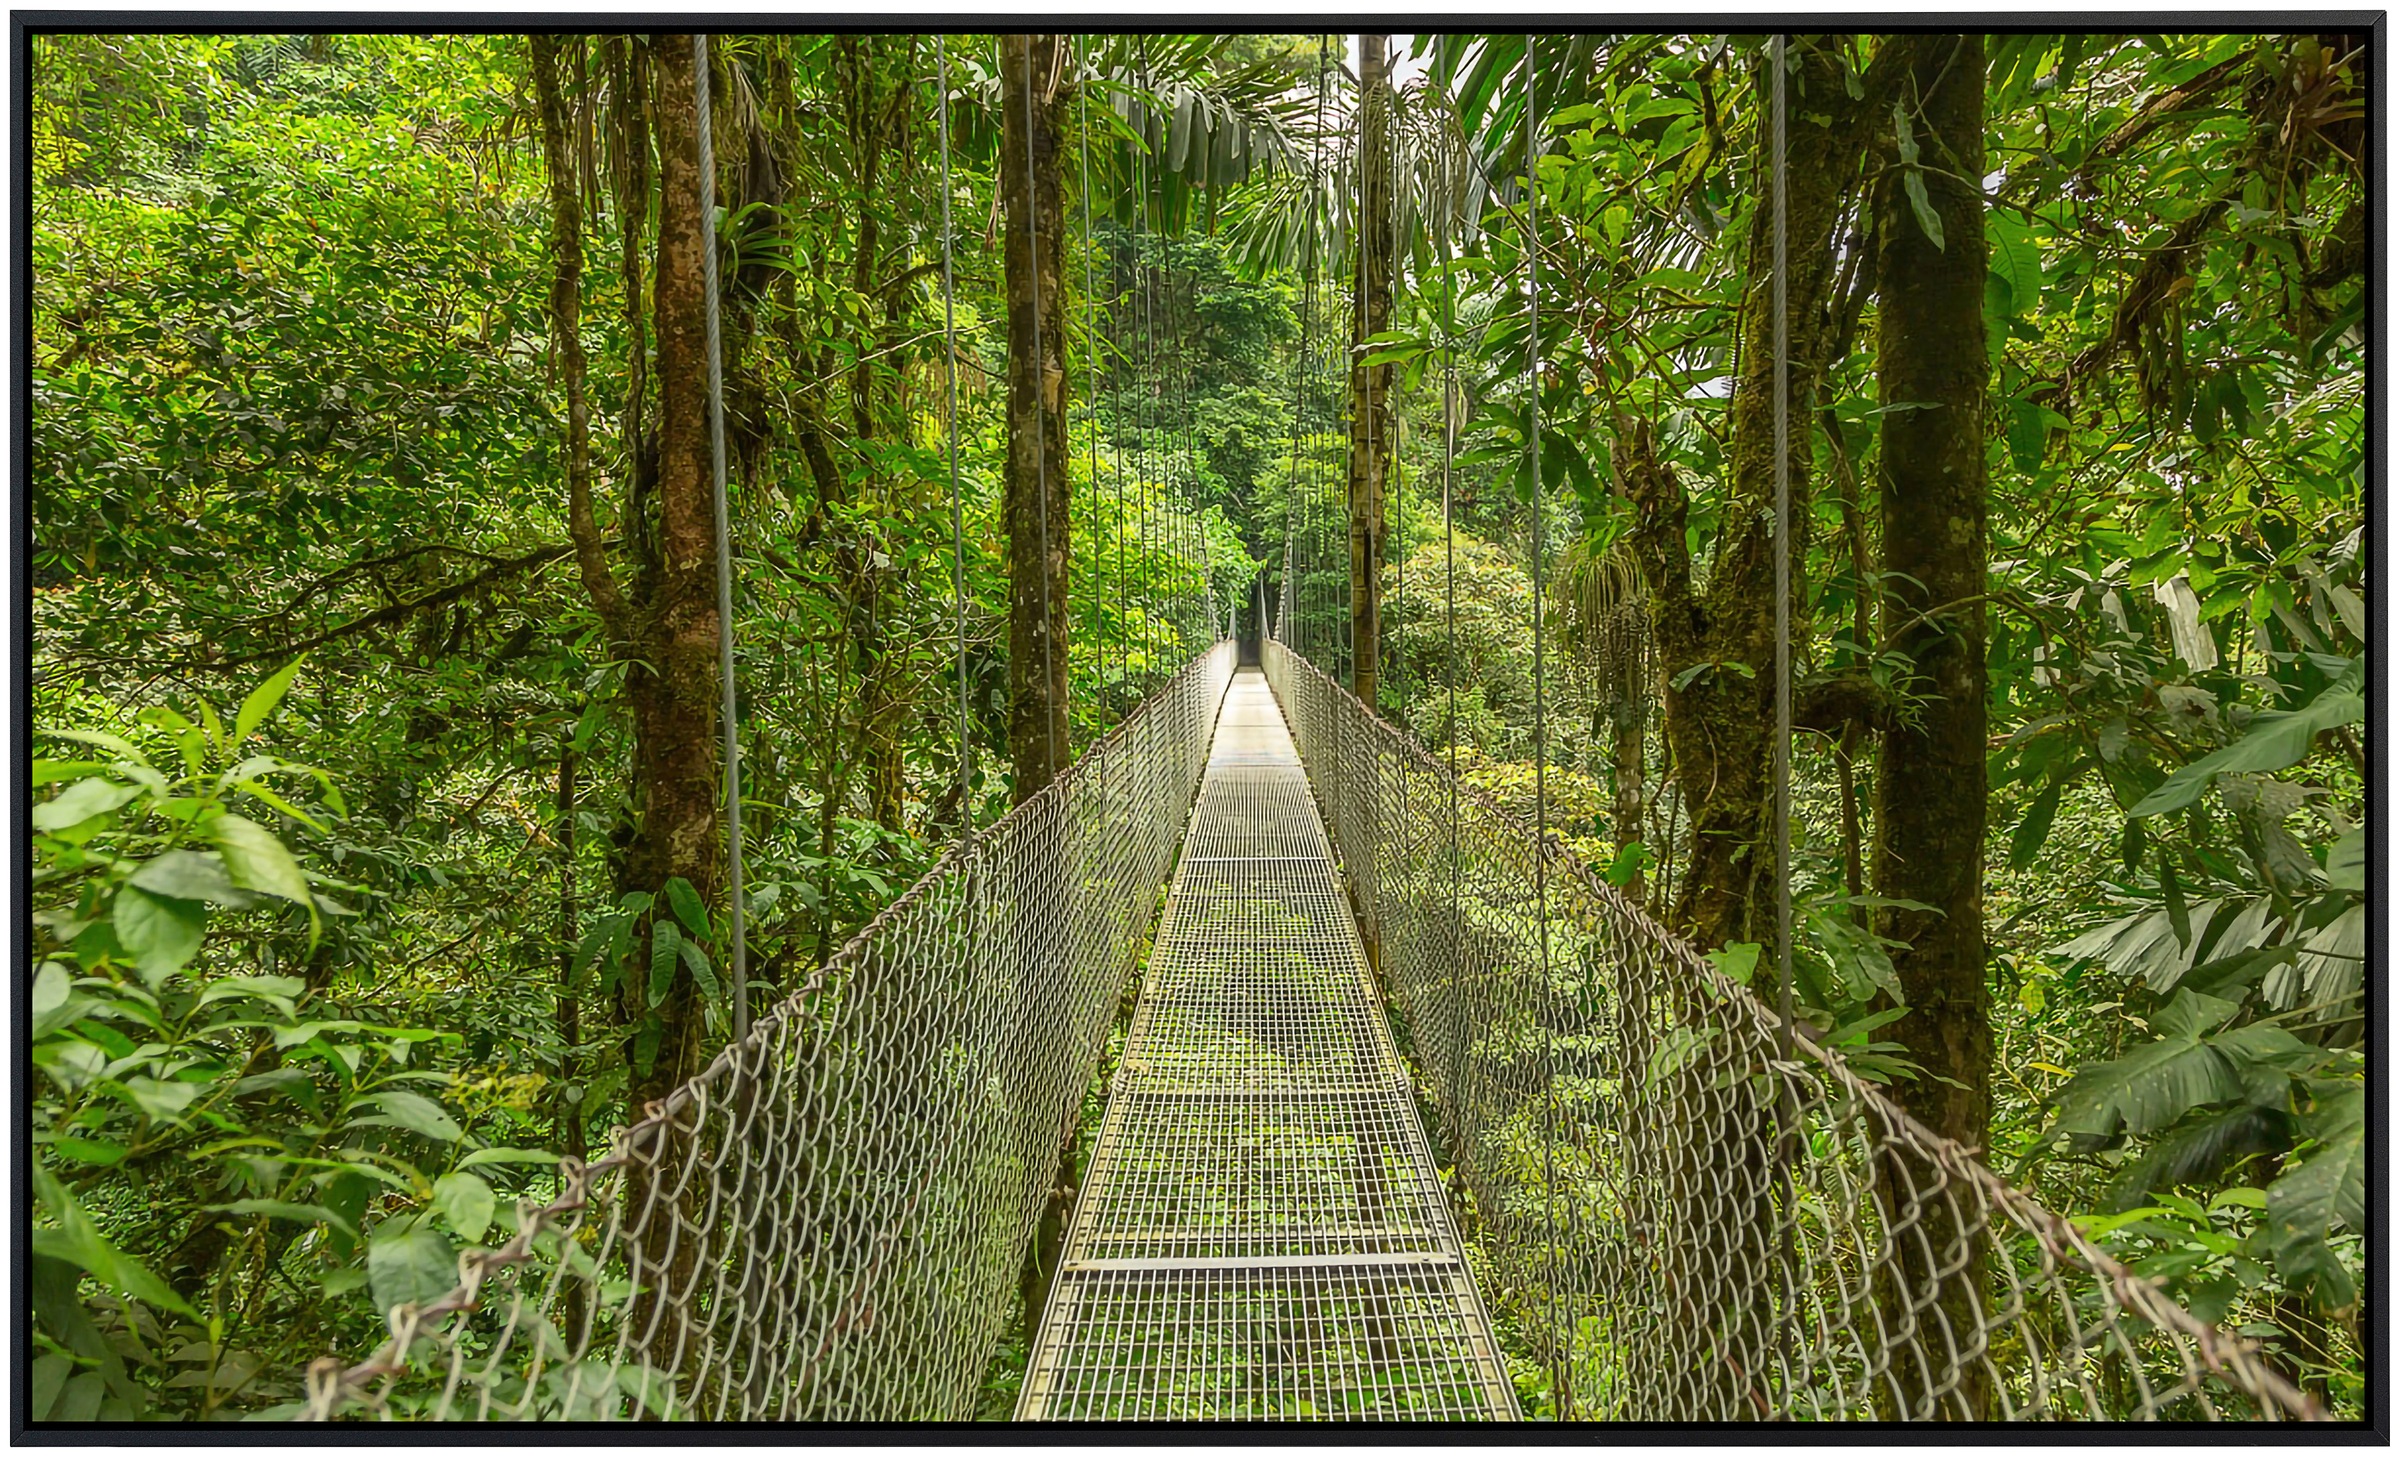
(2149, 1088)
(2016, 258)
(689, 908)
(467, 1202)
(409, 1262)
(2199, 1149)
(262, 701)
(196, 875)
(2346, 862)
(78, 1241)
(2274, 741)
(83, 800)
(2329, 1189)
(257, 860)
(665, 944)
(161, 933)
(419, 1114)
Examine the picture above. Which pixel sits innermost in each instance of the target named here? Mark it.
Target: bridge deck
(1262, 1232)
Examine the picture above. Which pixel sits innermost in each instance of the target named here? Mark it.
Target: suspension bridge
(1532, 1144)
(1369, 1102)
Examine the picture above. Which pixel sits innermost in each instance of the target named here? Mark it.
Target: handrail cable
(958, 524)
(1541, 744)
(1091, 341)
(1783, 555)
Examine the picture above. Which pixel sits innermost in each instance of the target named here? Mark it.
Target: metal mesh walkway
(1262, 1232)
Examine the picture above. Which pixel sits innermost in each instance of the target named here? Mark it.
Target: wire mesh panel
(1262, 1232)
(1681, 1223)
(829, 1222)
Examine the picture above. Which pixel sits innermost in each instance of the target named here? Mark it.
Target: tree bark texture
(1930, 784)
(1370, 384)
(1032, 107)
(1717, 726)
(673, 687)
(1719, 1177)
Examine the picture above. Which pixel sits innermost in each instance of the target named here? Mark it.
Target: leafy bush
(225, 1162)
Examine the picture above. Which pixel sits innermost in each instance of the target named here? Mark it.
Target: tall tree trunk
(1032, 106)
(567, 1114)
(1717, 724)
(1370, 385)
(673, 687)
(1930, 787)
(1719, 1176)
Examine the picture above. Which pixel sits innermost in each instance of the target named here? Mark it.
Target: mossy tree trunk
(1717, 637)
(1032, 108)
(1370, 384)
(1930, 785)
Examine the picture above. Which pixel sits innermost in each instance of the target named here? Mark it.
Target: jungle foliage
(350, 908)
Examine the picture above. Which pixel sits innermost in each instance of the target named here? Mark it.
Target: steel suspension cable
(1144, 325)
(1120, 300)
(1450, 550)
(1171, 377)
(1541, 746)
(740, 966)
(1308, 265)
(1391, 200)
(1361, 394)
(958, 525)
(1782, 766)
(1091, 339)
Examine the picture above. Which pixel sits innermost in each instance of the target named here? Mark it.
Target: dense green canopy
(350, 910)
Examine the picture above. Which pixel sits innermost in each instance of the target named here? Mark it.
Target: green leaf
(467, 1202)
(651, 1389)
(2149, 1088)
(53, 986)
(2034, 828)
(664, 945)
(90, 1151)
(1739, 961)
(2274, 741)
(77, 1241)
(258, 861)
(97, 739)
(85, 799)
(689, 908)
(262, 701)
(2016, 258)
(2307, 1202)
(47, 772)
(703, 973)
(409, 1262)
(419, 1114)
(2346, 862)
(161, 933)
(1913, 182)
(507, 1156)
(192, 875)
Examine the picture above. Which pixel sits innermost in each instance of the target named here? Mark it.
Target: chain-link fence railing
(829, 1223)
(1683, 1223)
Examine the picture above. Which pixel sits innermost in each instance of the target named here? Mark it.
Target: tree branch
(398, 611)
(566, 321)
